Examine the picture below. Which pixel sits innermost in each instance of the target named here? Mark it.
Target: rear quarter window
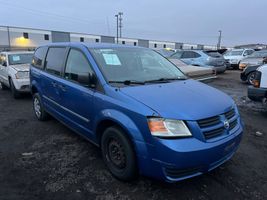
(213, 54)
(39, 56)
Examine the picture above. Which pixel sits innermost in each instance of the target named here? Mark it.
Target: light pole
(219, 40)
(117, 16)
(120, 22)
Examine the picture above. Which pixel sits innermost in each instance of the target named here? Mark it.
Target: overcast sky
(192, 21)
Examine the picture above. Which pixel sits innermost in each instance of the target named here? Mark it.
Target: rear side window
(190, 54)
(54, 60)
(39, 56)
(78, 68)
(213, 54)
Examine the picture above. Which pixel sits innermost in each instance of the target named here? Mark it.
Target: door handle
(62, 87)
(54, 84)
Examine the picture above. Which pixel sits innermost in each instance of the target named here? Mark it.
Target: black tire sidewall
(44, 114)
(14, 91)
(249, 76)
(129, 172)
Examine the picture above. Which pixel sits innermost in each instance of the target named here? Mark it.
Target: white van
(258, 92)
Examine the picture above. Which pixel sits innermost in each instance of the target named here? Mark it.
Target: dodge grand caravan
(138, 107)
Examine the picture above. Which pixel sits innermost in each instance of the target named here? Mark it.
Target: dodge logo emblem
(226, 124)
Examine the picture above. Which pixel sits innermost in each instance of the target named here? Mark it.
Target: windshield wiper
(129, 82)
(165, 80)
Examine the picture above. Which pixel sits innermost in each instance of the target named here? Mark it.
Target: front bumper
(178, 159)
(220, 69)
(257, 93)
(22, 85)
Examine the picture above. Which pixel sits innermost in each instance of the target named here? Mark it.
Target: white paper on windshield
(111, 59)
(16, 58)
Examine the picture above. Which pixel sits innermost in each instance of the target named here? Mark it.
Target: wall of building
(28, 38)
(161, 44)
(36, 37)
(78, 37)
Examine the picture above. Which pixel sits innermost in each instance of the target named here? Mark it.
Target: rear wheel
(14, 91)
(118, 154)
(38, 108)
(251, 77)
(3, 86)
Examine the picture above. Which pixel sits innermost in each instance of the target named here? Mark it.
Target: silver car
(254, 59)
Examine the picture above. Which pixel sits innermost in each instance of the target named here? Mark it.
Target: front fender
(128, 125)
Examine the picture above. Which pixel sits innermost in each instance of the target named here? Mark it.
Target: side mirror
(4, 63)
(87, 80)
(92, 80)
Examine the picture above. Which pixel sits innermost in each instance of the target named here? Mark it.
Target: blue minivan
(146, 116)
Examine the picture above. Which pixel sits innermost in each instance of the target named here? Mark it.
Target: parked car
(145, 115)
(258, 92)
(254, 59)
(234, 56)
(14, 71)
(195, 72)
(248, 74)
(202, 58)
(167, 52)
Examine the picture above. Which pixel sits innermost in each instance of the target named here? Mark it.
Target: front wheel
(14, 91)
(118, 154)
(3, 86)
(38, 108)
(251, 77)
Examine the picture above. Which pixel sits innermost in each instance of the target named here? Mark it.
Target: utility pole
(8, 36)
(117, 16)
(120, 22)
(219, 40)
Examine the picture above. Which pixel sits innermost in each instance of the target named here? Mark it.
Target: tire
(251, 77)
(14, 91)
(38, 108)
(118, 154)
(3, 86)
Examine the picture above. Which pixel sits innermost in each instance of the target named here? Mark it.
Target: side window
(195, 55)
(177, 55)
(54, 60)
(187, 54)
(78, 68)
(38, 57)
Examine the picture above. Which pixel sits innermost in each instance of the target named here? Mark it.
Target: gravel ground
(48, 161)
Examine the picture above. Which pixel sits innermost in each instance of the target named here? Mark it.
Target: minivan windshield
(16, 59)
(135, 65)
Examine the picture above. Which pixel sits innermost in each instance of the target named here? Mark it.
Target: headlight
(22, 75)
(168, 128)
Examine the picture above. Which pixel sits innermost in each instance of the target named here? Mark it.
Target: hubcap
(251, 78)
(116, 154)
(37, 107)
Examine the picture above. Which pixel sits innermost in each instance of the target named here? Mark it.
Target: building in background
(15, 38)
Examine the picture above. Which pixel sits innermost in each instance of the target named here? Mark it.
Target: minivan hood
(185, 100)
(21, 67)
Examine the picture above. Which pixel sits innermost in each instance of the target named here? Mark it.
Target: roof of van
(92, 45)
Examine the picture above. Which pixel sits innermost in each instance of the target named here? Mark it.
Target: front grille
(179, 173)
(212, 121)
(213, 133)
(233, 124)
(230, 114)
(213, 126)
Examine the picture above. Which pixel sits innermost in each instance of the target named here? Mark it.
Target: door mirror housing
(92, 80)
(87, 80)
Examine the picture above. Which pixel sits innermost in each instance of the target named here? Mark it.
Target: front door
(75, 93)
